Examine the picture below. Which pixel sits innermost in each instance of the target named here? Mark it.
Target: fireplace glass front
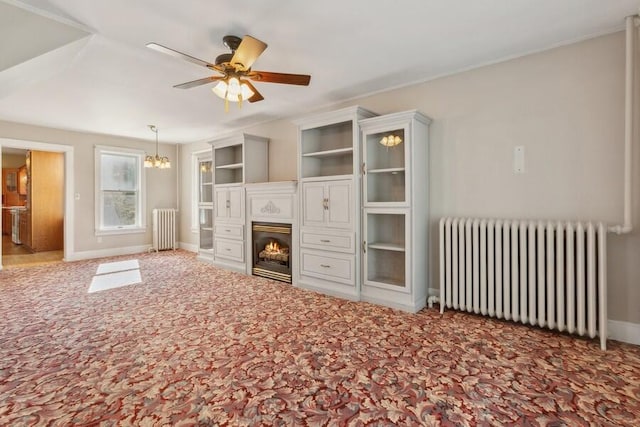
(272, 251)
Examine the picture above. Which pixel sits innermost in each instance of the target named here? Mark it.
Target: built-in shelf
(387, 170)
(393, 281)
(329, 153)
(387, 246)
(230, 166)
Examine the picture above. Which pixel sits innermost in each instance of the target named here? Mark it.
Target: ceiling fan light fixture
(233, 89)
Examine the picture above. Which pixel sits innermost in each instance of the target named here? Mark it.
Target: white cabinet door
(327, 204)
(313, 204)
(236, 208)
(340, 205)
(221, 204)
(229, 204)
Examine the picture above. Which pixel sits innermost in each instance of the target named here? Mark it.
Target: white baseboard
(404, 307)
(624, 331)
(103, 253)
(188, 247)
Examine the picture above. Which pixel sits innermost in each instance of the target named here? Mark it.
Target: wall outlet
(518, 159)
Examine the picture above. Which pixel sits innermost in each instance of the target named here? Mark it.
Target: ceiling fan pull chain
(226, 100)
(240, 101)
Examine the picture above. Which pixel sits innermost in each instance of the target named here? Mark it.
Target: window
(119, 186)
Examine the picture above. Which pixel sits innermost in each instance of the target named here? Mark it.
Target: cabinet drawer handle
(325, 241)
(227, 249)
(227, 230)
(325, 266)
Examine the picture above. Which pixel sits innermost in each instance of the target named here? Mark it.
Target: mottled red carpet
(195, 345)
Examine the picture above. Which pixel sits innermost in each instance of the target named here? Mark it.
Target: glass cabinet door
(385, 258)
(206, 181)
(206, 228)
(205, 204)
(385, 167)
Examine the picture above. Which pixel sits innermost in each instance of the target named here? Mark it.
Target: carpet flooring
(196, 345)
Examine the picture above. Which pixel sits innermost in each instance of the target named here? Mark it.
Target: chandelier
(157, 161)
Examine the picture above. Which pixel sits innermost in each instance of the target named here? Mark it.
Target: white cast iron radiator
(549, 274)
(164, 229)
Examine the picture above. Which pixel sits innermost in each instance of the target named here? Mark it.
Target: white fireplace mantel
(274, 202)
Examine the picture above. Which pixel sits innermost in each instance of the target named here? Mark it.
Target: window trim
(141, 223)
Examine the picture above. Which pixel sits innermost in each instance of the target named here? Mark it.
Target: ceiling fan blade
(248, 51)
(256, 95)
(176, 54)
(289, 79)
(198, 82)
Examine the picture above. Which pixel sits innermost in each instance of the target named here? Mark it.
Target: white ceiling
(83, 65)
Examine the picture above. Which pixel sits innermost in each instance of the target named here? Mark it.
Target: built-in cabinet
(328, 169)
(237, 160)
(363, 200)
(395, 202)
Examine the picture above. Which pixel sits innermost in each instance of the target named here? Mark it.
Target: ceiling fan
(235, 70)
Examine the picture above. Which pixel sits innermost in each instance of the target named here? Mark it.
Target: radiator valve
(432, 300)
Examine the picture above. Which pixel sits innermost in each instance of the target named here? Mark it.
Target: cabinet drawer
(335, 268)
(342, 242)
(229, 249)
(229, 231)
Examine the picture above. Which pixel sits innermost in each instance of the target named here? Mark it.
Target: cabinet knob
(325, 266)
(325, 241)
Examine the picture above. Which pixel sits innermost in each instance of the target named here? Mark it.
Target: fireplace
(272, 250)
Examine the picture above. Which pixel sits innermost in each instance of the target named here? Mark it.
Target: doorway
(32, 233)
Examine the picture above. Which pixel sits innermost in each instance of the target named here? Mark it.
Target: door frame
(67, 150)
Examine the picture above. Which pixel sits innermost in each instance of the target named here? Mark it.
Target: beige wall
(13, 160)
(565, 106)
(161, 184)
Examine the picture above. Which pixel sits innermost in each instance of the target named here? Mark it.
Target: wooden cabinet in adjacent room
(45, 201)
(22, 181)
(10, 196)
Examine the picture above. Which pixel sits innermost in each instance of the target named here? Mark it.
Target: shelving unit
(239, 159)
(328, 168)
(327, 150)
(385, 247)
(395, 203)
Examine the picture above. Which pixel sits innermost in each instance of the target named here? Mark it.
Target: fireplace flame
(272, 247)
